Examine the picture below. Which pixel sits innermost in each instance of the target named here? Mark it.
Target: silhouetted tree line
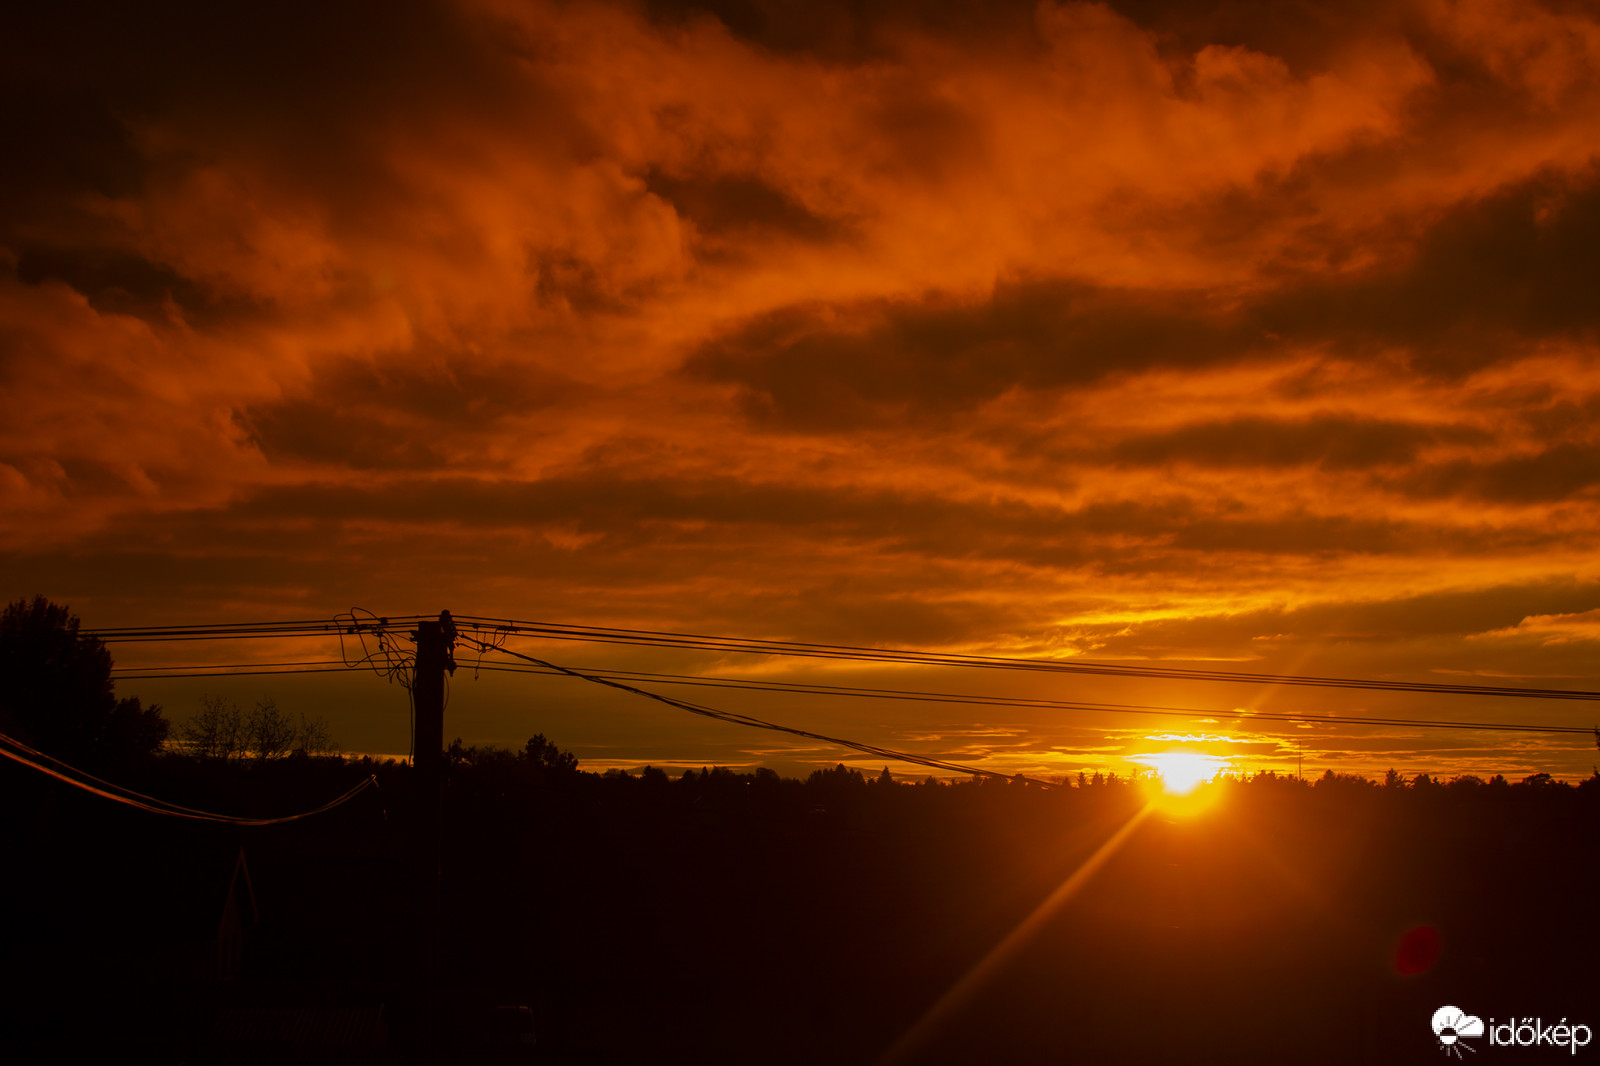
(221, 731)
(57, 694)
(494, 782)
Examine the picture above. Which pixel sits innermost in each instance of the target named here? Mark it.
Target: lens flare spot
(1417, 950)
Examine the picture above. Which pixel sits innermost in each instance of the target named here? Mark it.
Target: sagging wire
(349, 624)
(735, 718)
(396, 663)
(912, 695)
(497, 642)
(61, 771)
(747, 645)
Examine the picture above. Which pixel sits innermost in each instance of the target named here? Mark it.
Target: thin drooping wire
(350, 624)
(19, 752)
(746, 720)
(396, 663)
(229, 666)
(232, 630)
(702, 642)
(497, 642)
(155, 673)
(911, 695)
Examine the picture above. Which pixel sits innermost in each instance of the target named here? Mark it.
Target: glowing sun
(1182, 771)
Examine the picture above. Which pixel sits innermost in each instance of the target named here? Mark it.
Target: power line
(396, 663)
(336, 668)
(865, 692)
(313, 666)
(493, 630)
(912, 695)
(228, 630)
(701, 642)
(227, 666)
(746, 720)
(86, 781)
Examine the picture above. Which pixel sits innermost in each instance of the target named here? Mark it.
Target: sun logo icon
(1451, 1025)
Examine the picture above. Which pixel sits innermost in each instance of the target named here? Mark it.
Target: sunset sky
(1245, 334)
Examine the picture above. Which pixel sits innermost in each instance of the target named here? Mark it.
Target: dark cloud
(1488, 278)
(1547, 415)
(413, 415)
(312, 97)
(1401, 633)
(1306, 35)
(61, 140)
(733, 205)
(323, 432)
(1329, 441)
(315, 65)
(703, 518)
(1555, 473)
(884, 363)
(1485, 281)
(924, 137)
(851, 31)
(123, 283)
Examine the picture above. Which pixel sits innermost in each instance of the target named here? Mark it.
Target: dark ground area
(742, 918)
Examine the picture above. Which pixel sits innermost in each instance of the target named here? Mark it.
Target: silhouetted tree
(841, 776)
(836, 789)
(312, 737)
(545, 755)
(1332, 779)
(269, 733)
(216, 731)
(56, 692)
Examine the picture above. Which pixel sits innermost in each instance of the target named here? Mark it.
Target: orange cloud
(1141, 330)
(1554, 628)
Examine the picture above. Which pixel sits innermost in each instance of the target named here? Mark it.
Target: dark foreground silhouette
(721, 917)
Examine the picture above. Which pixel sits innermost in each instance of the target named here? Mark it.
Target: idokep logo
(1452, 1025)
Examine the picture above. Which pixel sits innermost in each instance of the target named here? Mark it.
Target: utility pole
(435, 640)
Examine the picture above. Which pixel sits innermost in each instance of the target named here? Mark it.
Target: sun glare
(1177, 790)
(1181, 772)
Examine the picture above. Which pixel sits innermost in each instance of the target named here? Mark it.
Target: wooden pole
(434, 642)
